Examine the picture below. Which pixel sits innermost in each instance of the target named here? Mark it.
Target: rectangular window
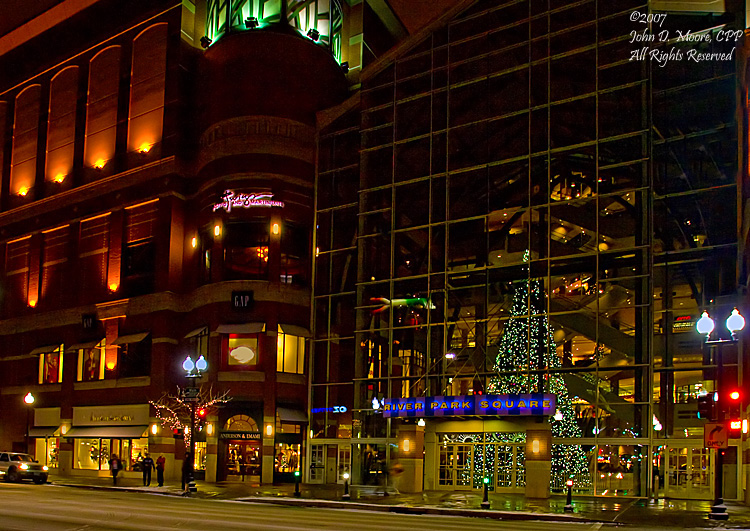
(91, 362)
(95, 454)
(50, 366)
(242, 351)
(290, 353)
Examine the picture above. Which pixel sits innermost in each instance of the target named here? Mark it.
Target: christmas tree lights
(526, 355)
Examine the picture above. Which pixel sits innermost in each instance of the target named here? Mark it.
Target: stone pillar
(431, 449)
(538, 462)
(411, 458)
(212, 449)
(266, 474)
(65, 452)
(163, 443)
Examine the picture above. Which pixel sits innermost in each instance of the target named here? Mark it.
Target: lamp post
(569, 501)
(705, 325)
(485, 500)
(29, 401)
(193, 371)
(346, 496)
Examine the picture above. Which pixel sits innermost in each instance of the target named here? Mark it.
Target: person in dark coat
(160, 462)
(187, 471)
(115, 465)
(147, 465)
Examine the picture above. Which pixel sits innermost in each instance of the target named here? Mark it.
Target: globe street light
(29, 401)
(193, 370)
(705, 326)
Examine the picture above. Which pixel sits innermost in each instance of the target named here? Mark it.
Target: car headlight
(45, 468)
(24, 466)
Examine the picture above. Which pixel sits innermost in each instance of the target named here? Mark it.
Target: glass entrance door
(317, 463)
(689, 473)
(464, 465)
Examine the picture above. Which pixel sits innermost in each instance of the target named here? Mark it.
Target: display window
(290, 353)
(95, 454)
(287, 458)
(242, 351)
(243, 458)
(51, 366)
(91, 363)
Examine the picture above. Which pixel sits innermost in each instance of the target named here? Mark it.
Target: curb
(404, 509)
(176, 494)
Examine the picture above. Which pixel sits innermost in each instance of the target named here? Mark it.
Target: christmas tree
(526, 346)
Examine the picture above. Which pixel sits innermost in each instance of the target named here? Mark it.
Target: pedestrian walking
(147, 465)
(160, 462)
(187, 466)
(115, 465)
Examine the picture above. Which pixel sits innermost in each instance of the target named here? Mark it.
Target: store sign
(244, 435)
(334, 409)
(230, 200)
(536, 404)
(242, 300)
(127, 415)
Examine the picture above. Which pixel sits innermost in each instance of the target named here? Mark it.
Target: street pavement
(27, 507)
(587, 509)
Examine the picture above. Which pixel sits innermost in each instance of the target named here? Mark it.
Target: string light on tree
(526, 346)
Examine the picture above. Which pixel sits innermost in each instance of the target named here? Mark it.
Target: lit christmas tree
(527, 345)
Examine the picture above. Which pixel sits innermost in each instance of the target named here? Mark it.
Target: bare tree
(174, 412)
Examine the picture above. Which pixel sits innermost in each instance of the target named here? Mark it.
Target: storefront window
(290, 353)
(242, 351)
(91, 363)
(200, 455)
(51, 366)
(287, 458)
(94, 454)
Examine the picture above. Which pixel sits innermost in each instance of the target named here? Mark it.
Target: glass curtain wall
(504, 208)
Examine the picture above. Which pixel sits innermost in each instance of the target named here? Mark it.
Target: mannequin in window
(91, 366)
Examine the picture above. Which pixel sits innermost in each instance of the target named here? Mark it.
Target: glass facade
(517, 205)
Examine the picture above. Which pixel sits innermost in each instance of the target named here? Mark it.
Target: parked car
(16, 467)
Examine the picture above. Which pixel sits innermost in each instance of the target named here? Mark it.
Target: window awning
(291, 415)
(45, 350)
(196, 332)
(132, 338)
(43, 431)
(79, 346)
(294, 330)
(244, 328)
(113, 432)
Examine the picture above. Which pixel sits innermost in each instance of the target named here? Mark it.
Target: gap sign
(486, 405)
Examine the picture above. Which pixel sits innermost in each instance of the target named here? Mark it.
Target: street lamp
(485, 500)
(705, 325)
(193, 370)
(346, 496)
(29, 401)
(569, 501)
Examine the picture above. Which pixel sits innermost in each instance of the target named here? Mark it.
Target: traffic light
(178, 433)
(202, 413)
(707, 407)
(734, 409)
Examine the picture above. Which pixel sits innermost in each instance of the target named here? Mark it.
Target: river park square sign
(536, 404)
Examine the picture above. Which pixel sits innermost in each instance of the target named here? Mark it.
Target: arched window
(25, 138)
(101, 109)
(147, 81)
(241, 423)
(61, 125)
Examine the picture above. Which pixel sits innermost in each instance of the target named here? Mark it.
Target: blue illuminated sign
(535, 404)
(334, 409)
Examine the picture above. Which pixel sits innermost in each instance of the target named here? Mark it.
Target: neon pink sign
(231, 200)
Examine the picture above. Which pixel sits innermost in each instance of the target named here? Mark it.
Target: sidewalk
(668, 513)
